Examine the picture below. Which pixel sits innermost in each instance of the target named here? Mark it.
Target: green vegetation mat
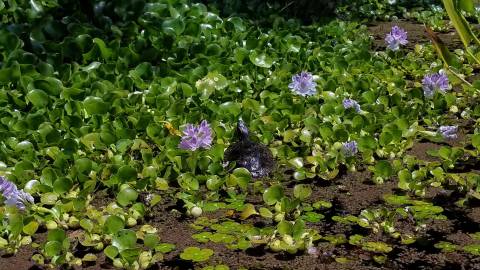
(115, 117)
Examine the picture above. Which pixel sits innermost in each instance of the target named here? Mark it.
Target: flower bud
(196, 211)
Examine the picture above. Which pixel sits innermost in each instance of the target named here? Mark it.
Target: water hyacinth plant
(395, 38)
(448, 132)
(303, 84)
(14, 197)
(350, 148)
(351, 103)
(432, 83)
(127, 121)
(195, 137)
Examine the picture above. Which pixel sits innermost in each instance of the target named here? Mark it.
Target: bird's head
(242, 130)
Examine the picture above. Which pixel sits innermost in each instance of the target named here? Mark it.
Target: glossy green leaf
(113, 224)
(273, 194)
(38, 98)
(261, 59)
(95, 105)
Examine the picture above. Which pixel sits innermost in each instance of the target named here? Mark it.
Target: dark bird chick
(255, 157)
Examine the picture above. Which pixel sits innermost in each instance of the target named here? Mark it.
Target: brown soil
(419, 150)
(350, 193)
(416, 34)
(22, 259)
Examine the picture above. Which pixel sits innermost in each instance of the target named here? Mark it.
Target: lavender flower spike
(303, 84)
(350, 148)
(448, 132)
(196, 137)
(351, 103)
(13, 196)
(395, 38)
(434, 82)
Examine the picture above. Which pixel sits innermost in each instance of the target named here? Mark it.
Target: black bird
(255, 157)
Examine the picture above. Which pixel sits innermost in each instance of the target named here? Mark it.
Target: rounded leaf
(126, 196)
(38, 98)
(125, 239)
(273, 194)
(261, 59)
(302, 191)
(113, 224)
(95, 105)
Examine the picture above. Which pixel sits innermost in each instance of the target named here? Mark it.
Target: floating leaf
(95, 105)
(196, 254)
(113, 224)
(38, 98)
(248, 211)
(261, 59)
(273, 194)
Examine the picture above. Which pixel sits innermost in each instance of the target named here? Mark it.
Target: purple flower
(196, 136)
(434, 82)
(350, 148)
(395, 38)
(351, 103)
(448, 132)
(303, 84)
(313, 251)
(13, 196)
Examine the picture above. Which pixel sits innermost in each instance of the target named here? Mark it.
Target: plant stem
(458, 76)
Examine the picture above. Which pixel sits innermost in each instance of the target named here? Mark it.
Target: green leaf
(31, 227)
(460, 23)
(188, 181)
(104, 50)
(111, 252)
(302, 191)
(3, 242)
(296, 162)
(248, 210)
(298, 229)
(130, 254)
(95, 105)
(38, 98)
(124, 239)
(377, 247)
(476, 141)
(232, 108)
(212, 82)
(83, 165)
(214, 182)
(261, 59)
(396, 199)
(383, 168)
(448, 57)
(466, 5)
(86, 224)
(472, 249)
(264, 212)
(273, 194)
(126, 196)
(174, 26)
(151, 240)
(62, 185)
(165, 247)
(113, 224)
(127, 173)
(285, 227)
(56, 235)
(196, 254)
(241, 177)
(53, 248)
